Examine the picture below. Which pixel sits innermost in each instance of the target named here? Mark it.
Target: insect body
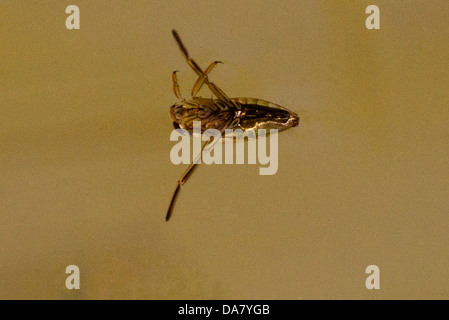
(247, 114)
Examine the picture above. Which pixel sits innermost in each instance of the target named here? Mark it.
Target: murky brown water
(85, 174)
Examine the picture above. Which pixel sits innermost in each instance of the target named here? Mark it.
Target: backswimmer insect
(247, 114)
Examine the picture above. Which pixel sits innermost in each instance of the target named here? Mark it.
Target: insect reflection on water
(221, 112)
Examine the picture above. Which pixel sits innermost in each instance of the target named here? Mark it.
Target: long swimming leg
(215, 89)
(188, 172)
(182, 180)
(184, 52)
(201, 79)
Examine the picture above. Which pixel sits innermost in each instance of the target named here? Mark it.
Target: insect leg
(221, 95)
(184, 52)
(187, 173)
(183, 180)
(176, 86)
(215, 90)
(201, 79)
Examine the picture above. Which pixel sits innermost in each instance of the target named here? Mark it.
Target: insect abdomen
(261, 114)
(255, 102)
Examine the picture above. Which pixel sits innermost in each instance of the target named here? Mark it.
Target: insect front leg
(176, 86)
